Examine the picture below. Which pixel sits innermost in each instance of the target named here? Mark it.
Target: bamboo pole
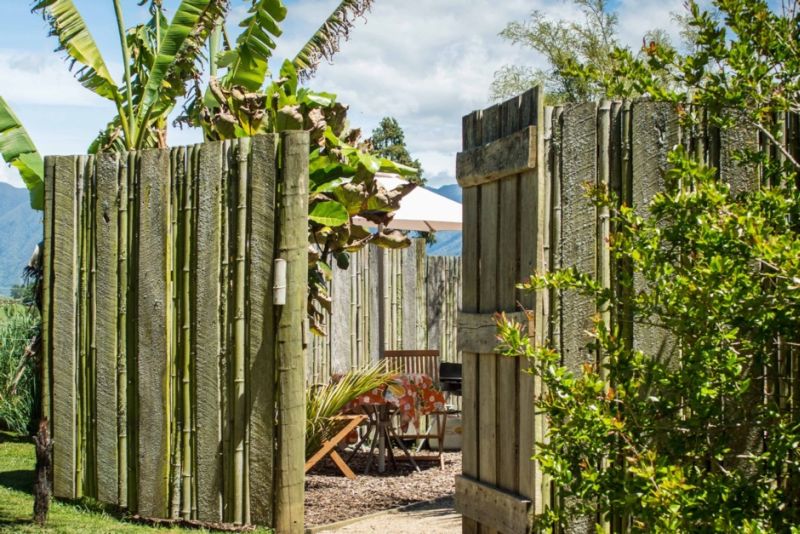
(186, 333)
(122, 333)
(193, 184)
(131, 324)
(80, 457)
(293, 244)
(239, 335)
(91, 400)
(226, 321)
(174, 339)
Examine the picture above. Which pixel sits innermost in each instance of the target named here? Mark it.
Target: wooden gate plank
(471, 207)
(105, 326)
(261, 337)
(152, 337)
(531, 241)
(47, 290)
(65, 289)
(508, 461)
(487, 366)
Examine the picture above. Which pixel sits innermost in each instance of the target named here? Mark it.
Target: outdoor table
(409, 396)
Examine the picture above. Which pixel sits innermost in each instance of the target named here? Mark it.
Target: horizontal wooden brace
(508, 156)
(492, 507)
(477, 332)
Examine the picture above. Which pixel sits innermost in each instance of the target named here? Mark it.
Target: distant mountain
(447, 243)
(20, 231)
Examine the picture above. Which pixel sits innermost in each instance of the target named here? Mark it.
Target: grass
(18, 324)
(16, 502)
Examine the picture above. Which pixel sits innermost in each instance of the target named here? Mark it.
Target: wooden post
(293, 244)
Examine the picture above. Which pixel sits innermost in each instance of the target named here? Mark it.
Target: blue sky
(426, 62)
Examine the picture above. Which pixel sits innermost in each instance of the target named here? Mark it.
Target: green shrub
(18, 324)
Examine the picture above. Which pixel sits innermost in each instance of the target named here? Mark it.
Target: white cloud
(428, 63)
(41, 79)
(425, 62)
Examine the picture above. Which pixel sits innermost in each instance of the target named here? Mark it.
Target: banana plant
(145, 100)
(159, 59)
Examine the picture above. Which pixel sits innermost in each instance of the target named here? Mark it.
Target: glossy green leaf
(18, 150)
(329, 213)
(67, 25)
(188, 17)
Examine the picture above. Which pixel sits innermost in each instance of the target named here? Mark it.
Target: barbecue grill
(450, 377)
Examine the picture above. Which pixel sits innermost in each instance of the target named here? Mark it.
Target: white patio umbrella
(421, 210)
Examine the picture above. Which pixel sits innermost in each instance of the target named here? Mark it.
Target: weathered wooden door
(505, 202)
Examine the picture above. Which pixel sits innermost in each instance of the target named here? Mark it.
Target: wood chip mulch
(331, 497)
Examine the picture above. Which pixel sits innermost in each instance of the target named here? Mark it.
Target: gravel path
(429, 518)
(330, 497)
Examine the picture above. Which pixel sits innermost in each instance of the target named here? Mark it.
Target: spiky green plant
(18, 324)
(326, 401)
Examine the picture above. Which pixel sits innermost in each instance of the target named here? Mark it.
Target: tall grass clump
(326, 401)
(18, 324)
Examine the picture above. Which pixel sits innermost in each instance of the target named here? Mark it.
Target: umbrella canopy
(421, 209)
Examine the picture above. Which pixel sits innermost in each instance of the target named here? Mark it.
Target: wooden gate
(168, 357)
(504, 206)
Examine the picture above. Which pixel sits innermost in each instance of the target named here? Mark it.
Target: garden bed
(330, 497)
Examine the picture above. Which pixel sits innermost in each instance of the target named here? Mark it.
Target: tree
(565, 46)
(389, 141)
(707, 444)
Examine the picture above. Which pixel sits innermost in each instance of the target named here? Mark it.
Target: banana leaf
(18, 150)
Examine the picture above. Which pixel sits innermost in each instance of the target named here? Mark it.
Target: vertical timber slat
(64, 342)
(105, 326)
(579, 243)
(261, 386)
(507, 276)
(208, 331)
(153, 294)
(470, 300)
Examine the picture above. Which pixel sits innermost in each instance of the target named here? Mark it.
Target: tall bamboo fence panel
(417, 308)
(525, 170)
(176, 386)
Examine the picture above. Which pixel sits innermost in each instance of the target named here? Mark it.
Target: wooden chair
(329, 447)
(414, 361)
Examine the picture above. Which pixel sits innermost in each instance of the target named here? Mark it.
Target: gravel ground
(331, 497)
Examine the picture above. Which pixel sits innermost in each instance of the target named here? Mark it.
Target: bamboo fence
(174, 385)
(420, 301)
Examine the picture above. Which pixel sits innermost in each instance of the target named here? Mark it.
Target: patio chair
(414, 361)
